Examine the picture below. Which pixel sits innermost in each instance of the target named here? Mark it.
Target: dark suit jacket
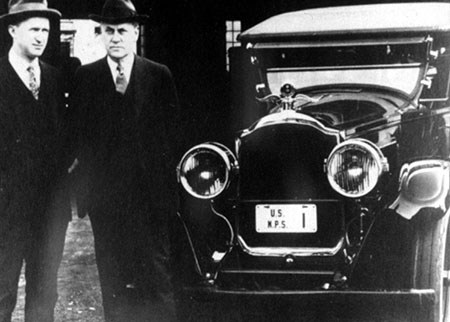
(31, 140)
(152, 100)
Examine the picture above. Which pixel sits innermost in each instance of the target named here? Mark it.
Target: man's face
(120, 40)
(30, 36)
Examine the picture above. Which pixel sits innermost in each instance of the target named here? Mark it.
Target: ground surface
(80, 296)
(78, 285)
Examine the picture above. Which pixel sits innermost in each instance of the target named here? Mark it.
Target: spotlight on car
(205, 170)
(354, 167)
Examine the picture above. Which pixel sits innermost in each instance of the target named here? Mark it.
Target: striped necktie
(121, 80)
(33, 85)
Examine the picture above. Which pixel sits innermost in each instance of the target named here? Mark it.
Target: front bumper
(324, 305)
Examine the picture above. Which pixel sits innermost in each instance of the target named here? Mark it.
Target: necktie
(33, 82)
(121, 80)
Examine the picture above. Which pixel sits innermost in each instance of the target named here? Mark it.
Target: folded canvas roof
(393, 18)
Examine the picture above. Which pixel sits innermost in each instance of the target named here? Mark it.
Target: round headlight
(354, 166)
(204, 171)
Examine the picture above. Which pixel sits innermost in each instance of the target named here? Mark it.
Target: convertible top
(393, 18)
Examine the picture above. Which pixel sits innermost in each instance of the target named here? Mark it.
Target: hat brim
(51, 14)
(118, 20)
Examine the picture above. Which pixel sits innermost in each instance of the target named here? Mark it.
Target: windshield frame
(260, 50)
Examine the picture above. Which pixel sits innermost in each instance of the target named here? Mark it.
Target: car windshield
(343, 56)
(395, 66)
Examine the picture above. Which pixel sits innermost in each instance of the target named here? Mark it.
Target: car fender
(422, 184)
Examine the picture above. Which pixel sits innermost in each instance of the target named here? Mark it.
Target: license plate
(286, 218)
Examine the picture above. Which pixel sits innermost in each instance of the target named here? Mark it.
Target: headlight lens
(204, 171)
(353, 167)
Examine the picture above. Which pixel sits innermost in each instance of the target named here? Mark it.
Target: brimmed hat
(118, 11)
(19, 10)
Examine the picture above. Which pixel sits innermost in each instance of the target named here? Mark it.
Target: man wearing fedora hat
(124, 107)
(33, 221)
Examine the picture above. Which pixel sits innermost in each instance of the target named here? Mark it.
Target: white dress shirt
(20, 65)
(127, 64)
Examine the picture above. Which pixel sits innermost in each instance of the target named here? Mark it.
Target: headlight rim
(375, 152)
(226, 156)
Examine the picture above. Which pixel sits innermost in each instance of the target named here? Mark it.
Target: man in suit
(33, 220)
(123, 109)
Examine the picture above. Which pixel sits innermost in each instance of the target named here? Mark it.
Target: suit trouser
(132, 254)
(40, 245)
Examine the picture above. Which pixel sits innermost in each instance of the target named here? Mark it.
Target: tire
(446, 280)
(431, 259)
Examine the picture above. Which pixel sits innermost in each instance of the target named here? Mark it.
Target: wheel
(405, 254)
(431, 260)
(446, 281)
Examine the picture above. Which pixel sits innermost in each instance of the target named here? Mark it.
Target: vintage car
(334, 199)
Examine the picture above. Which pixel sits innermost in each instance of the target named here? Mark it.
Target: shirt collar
(21, 64)
(126, 62)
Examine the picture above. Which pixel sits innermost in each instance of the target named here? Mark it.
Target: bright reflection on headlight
(205, 175)
(354, 168)
(204, 170)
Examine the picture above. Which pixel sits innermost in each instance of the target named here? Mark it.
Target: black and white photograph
(229, 161)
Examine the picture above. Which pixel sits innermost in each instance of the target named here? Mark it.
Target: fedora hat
(118, 11)
(19, 10)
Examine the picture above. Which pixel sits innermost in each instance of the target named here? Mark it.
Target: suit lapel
(47, 86)
(137, 81)
(106, 87)
(50, 95)
(9, 99)
(44, 86)
(105, 75)
(15, 88)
